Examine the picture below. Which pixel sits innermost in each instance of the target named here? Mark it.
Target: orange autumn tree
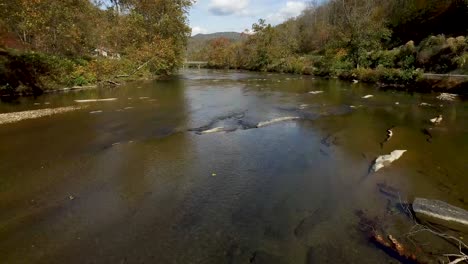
(218, 52)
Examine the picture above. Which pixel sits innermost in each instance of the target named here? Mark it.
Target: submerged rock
(316, 92)
(386, 160)
(226, 123)
(446, 97)
(389, 134)
(441, 213)
(262, 257)
(96, 100)
(213, 130)
(436, 120)
(277, 120)
(388, 190)
(326, 253)
(308, 225)
(354, 106)
(425, 104)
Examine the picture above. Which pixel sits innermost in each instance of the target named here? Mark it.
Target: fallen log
(113, 83)
(395, 249)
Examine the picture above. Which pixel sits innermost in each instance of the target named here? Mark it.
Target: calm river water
(140, 183)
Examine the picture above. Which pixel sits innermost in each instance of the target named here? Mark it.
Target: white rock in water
(437, 120)
(277, 120)
(316, 92)
(389, 134)
(386, 160)
(355, 106)
(213, 130)
(447, 97)
(355, 81)
(441, 213)
(95, 100)
(424, 104)
(367, 96)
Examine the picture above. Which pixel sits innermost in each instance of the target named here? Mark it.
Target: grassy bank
(403, 67)
(23, 73)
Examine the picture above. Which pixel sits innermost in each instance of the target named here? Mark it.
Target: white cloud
(198, 30)
(292, 9)
(229, 7)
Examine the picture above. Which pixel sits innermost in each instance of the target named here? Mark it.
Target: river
(135, 180)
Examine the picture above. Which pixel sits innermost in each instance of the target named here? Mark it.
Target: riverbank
(29, 73)
(415, 66)
(392, 79)
(416, 82)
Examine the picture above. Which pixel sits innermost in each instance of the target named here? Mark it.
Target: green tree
(359, 27)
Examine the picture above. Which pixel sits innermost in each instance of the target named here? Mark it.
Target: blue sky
(209, 16)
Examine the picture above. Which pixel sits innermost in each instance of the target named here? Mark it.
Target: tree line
(391, 41)
(78, 42)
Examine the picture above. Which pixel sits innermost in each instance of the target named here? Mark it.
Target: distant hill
(200, 41)
(229, 35)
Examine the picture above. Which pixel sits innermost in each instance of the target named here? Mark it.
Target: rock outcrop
(441, 213)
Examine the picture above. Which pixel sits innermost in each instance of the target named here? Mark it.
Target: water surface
(139, 183)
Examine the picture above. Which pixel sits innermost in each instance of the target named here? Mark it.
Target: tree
(359, 27)
(218, 52)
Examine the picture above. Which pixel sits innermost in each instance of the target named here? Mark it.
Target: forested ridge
(49, 43)
(388, 41)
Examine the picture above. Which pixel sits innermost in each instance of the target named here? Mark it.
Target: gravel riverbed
(32, 114)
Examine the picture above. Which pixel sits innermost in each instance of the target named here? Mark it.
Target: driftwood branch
(394, 247)
(113, 83)
(418, 228)
(427, 228)
(399, 251)
(141, 66)
(136, 70)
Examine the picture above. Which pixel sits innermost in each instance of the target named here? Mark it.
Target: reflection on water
(132, 181)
